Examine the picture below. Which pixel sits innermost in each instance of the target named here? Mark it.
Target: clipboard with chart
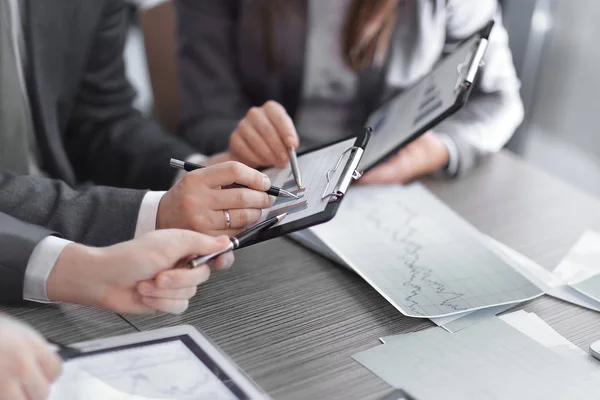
(420, 108)
(327, 172)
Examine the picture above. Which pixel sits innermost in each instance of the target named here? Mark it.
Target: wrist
(72, 279)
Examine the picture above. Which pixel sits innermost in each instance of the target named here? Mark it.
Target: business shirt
(48, 250)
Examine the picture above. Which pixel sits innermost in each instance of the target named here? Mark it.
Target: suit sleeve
(108, 140)
(494, 109)
(17, 242)
(93, 215)
(213, 101)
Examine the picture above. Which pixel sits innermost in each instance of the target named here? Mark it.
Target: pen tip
(280, 217)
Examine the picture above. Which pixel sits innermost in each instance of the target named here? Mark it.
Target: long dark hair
(366, 31)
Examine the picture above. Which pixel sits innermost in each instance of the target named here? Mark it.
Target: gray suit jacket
(17, 241)
(85, 125)
(224, 72)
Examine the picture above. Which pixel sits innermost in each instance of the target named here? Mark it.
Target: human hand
(198, 201)
(423, 156)
(27, 364)
(138, 276)
(218, 158)
(264, 137)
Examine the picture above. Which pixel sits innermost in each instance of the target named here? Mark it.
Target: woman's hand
(423, 156)
(264, 137)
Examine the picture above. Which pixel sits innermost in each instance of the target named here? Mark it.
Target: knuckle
(266, 201)
(237, 168)
(241, 197)
(253, 112)
(244, 217)
(201, 222)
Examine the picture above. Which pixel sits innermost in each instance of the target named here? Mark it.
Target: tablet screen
(169, 368)
(410, 112)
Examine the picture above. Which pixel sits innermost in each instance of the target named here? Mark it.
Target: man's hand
(198, 201)
(27, 364)
(138, 276)
(264, 137)
(425, 155)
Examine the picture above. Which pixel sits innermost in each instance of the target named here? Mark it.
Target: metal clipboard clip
(347, 176)
(467, 70)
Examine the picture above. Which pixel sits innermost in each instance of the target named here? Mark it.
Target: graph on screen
(418, 254)
(159, 372)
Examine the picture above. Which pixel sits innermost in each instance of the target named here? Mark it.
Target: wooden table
(292, 319)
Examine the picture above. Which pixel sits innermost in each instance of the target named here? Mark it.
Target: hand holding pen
(188, 166)
(265, 136)
(239, 240)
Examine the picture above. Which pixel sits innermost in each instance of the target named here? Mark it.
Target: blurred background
(555, 51)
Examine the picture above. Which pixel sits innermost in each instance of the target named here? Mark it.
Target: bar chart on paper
(419, 255)
(289, 205)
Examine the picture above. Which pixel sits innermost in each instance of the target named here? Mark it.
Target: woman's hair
(366, 31)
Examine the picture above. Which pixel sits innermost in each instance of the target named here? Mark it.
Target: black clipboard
(334, 191)
(432, 99)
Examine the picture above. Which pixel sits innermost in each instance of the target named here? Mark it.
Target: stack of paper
(516, 356)
(429, 262)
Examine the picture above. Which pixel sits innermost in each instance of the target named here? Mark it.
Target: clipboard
(341, 170)
(435, 97)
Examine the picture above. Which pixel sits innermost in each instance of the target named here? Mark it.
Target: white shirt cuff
(39, 266)
(146, 221)
(452, 167)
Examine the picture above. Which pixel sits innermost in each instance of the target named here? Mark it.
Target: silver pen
(295, 168)
(239, 240)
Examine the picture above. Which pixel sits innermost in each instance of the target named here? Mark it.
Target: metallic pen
(295, 168)
(188, 166)
(239, 240)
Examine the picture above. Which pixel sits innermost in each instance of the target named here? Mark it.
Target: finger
(35, 386)
(270, 135)
(178, 278)
(224, 261)
(171, 294)
(240, 150)
(395, 170)
(231, 172)
(179, 243)
(50, 363)
(283, 123)
(258, 143)
(13, 392)
(166, 305)
(240, 198)
(240, 218)
(227, 232)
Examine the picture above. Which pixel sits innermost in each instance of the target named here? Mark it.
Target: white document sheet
(418, 254)
(580, 269)
(548, 281)
(519, 358)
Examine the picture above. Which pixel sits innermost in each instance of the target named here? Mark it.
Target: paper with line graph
(419, 255)
(314, 167)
